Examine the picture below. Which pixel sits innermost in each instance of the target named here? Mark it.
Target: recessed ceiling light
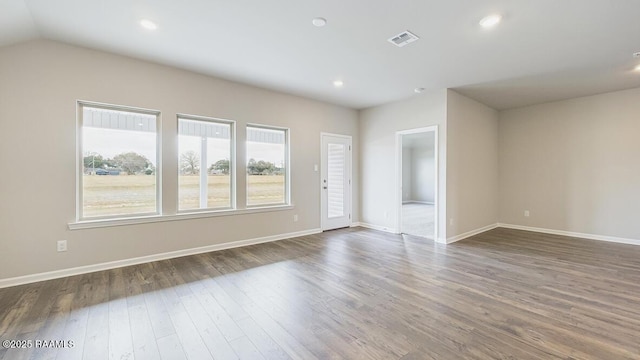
(636, 54)
(418, 90)
(319, 22)
(338, 83)
(490, 21)
(148, 24)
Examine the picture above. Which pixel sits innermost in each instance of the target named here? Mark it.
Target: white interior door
(336, 181)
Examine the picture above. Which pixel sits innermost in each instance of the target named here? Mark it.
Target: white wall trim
(438, 203)
(187, 215)
(355, 224)
(572, 234)
(379, 228)
(26, 279)
(471, 233)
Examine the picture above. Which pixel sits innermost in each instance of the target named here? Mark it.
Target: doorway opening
(418, 182)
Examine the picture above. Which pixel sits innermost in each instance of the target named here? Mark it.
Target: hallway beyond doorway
(418, 219)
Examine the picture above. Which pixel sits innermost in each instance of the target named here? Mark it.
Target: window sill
(90, 224)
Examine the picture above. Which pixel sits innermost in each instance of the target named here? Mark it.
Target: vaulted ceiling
(541, 51)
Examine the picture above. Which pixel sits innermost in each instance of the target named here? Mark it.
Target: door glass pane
(335, 179)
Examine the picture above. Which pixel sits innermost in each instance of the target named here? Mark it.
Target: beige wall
(468, 160)
(423, 173)
(40, 83)
(472, 165)
(418, 172)
(418, 169)
(407, 157)
(573, 164)
(378, 153)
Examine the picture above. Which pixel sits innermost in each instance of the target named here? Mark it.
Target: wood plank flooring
(346, 294)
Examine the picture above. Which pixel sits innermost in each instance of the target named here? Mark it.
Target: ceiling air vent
(403, 39)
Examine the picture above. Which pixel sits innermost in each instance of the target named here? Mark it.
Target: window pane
(266, 166)
(119, 162)
(209, 143)
(336, 159)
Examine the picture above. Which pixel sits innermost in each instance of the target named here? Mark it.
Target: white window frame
(80, 105)
(287, 167)
(232, 163)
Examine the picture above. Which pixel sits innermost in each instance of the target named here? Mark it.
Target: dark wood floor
(346, 294)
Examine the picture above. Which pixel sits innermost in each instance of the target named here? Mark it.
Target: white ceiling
(543, 50)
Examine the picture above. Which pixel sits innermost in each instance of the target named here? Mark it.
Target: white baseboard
(378, 227)
(441, 240)
(355, 224)
(572, 234)
(471, 233)
(26, 279)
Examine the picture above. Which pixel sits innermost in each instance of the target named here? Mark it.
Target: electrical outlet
(451, 222)
(386, 214)
(62, 245)
(295, 217)
(315, 167)
(526, 213)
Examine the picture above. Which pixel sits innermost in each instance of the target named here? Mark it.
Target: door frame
(323, 204)
(436, 195)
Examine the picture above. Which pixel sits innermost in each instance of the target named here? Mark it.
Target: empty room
(211, 179)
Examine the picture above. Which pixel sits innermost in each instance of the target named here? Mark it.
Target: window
(119, 161)
(267, 162)
(205, 163)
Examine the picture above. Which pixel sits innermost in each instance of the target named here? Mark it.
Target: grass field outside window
(126, 194)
